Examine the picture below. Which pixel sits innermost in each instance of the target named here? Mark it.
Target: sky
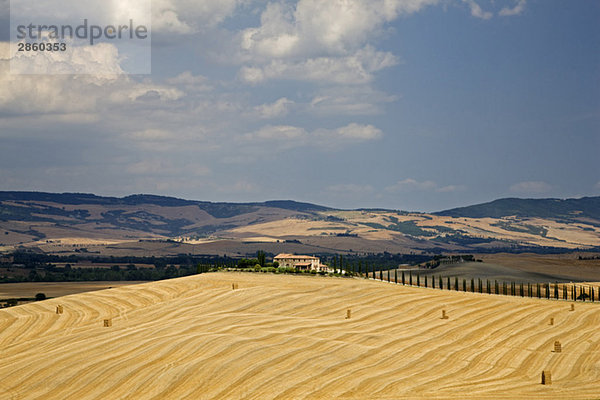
(418, 105)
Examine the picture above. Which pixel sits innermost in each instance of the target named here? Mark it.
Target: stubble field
(287, 337)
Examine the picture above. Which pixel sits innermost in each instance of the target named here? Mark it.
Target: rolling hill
(196, 338)
(62, 223)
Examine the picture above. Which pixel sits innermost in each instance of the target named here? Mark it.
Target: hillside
(143, 224)
(586, 209)
(196, 338)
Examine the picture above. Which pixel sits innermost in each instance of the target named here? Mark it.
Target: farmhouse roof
(297, 256)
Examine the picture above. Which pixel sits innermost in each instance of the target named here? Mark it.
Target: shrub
(40, 296)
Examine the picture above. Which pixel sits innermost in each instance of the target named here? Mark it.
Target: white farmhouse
(301, 262)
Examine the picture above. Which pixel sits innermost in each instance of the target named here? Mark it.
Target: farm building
(299, 261)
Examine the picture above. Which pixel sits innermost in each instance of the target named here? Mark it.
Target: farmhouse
(300, 262)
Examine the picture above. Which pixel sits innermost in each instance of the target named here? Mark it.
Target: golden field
(287, 337)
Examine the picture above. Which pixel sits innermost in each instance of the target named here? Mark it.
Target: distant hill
(569, 209)
(67, 222)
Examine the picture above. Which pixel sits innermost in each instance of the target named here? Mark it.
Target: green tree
(260, 256)
(40, 296)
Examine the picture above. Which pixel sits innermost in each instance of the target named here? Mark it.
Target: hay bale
(557, 347)
(444, 316)
(551, 321)
(348, 314)
(59, 309)
(234, 286)
(546, 378)
(107, 323)
(572, 307)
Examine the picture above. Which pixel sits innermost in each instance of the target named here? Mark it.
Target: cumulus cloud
(531, 187)
(357, 68)
(287, 137)
(76, 94)
(279, 108)
(411, 185)
(477, 11)
(315, 27)
(516, 10)
(320, 41)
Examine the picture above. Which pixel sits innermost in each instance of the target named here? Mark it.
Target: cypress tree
(403, 280)
(480, 285)
(418, 280)
(521, 290)
(396, 276)
(448, 283)
(504, 291)
(410, 278)
(441, 282)
(496, 288)
(456, 283)
(373, 271)
(556, 290)
(388, 274)
(464, 285)
(426, 281)
(547, 290)
(380, 274)
(433, 281)
(539, 295)
(472, 285)
(564, 292)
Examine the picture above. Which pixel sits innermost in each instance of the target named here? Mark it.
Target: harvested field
(289, 337)
(55, 289)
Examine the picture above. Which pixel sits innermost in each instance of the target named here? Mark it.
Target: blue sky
(406, 104)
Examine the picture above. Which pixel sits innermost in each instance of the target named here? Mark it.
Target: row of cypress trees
(539, 290)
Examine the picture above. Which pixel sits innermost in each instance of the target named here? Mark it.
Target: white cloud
(190, 82)
(412, 185)
(349, 100)
(516, 10)
(357, 68)
(320, 41)
(279, 108)
(477, 11)
(287, 137)
(531, 187)
(316, 27)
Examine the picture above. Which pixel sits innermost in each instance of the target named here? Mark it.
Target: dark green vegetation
(525, 228)
(35, 267)
(39, 267)
(586, 209)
